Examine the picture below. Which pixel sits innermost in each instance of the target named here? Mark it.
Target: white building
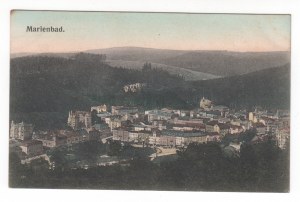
(205, 103)
(21, 131)
(99, 109)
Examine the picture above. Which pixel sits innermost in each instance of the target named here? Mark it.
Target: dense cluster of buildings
(209, 122)
(158, 127)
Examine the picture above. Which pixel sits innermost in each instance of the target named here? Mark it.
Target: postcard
(149, 101)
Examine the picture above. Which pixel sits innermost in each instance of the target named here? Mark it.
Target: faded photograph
(149, 101)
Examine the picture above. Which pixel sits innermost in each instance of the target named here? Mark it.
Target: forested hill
(193, 64)
(43, 89)
(56, 84)
(215, 62)
(269, 88)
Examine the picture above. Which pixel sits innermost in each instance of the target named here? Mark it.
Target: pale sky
(179, 31)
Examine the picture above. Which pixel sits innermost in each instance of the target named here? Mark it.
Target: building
(205, 104)
(79, 119)
(221, 128)
(53, 140)
(253, 117)
(235, 129)
(201, 138)
(99, 109)
(121, 135)
(32, 148)
(76, 137)
(121, 110)
(21, 131)
(282, 137)
(210, 126)
(115, 123)
(189, 127)
(222, 109)
(158, 115)
(133, 87)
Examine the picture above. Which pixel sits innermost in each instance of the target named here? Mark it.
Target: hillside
(43, 89)
(187, 74)
(268, 88)
(210, 64)
(219, 63)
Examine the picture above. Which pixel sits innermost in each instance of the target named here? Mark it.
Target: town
(165, 130)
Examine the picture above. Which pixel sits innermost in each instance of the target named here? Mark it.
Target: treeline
(200, 167)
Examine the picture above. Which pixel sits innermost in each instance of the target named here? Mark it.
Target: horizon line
(191, 50)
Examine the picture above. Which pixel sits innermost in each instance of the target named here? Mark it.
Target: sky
(178, 31)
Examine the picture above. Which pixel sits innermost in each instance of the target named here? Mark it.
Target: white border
(195, 6)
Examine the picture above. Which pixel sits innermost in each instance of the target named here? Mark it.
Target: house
(32, 148)
(234, 129)
(210, 126)
(99, 109)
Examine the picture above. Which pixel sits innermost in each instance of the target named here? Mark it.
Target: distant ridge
(218, 63)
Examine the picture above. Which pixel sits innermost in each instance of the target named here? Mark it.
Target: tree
(114, 148)
(147, 66)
